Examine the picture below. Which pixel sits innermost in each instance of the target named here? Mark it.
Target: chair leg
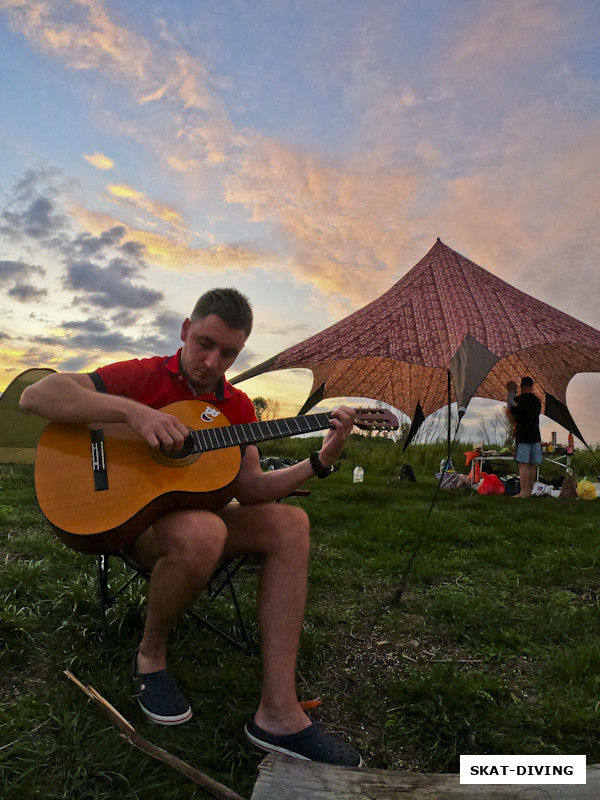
(224, 574)
(246, 646)
(102, 573)
(107, 597)
(228, 571)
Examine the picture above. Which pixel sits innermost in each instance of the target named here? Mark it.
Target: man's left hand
(343, 421)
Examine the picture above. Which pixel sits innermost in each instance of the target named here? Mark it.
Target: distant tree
(435, 427)
(497, 431)
(273, 409)
(266, 408)
(260, 406)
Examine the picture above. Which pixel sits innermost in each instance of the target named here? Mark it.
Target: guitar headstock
(375, 419)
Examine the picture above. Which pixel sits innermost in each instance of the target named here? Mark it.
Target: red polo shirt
(158, 381)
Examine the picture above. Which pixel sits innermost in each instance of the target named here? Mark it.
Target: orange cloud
(531, 216)
(136, 198)
(341, 222)
(94, 42)
(174, 252)
(182, 165)
(100, 161)
(503, 32)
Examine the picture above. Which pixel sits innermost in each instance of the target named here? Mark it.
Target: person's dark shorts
(529, 453)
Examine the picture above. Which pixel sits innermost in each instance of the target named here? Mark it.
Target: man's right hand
(72, 397)
(157, 428)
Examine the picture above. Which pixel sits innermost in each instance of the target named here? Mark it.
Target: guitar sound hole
(176, 455)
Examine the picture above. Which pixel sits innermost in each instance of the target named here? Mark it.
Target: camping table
(558, 456)
(488, 457)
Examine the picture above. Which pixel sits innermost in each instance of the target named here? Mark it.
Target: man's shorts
(529, 453)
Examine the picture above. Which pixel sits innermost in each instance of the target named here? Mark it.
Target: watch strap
(319, 470)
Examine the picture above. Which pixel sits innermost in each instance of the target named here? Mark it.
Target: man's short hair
(526, 382)
(230, 305)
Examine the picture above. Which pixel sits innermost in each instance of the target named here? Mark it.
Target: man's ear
(185, 328)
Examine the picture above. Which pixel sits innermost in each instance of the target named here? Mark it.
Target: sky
(307, 152)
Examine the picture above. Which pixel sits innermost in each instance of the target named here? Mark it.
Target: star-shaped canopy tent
(446, 316)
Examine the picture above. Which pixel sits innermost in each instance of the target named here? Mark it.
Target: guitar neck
(252, 432)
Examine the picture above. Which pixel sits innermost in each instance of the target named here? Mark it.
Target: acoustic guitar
(102, 485)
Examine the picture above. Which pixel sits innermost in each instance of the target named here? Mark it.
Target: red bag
(490, 484)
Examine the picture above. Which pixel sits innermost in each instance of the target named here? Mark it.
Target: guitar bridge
(99, 460)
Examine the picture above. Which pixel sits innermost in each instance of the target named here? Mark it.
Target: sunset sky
(308, 152)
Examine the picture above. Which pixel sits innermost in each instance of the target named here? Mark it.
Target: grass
(493, 648)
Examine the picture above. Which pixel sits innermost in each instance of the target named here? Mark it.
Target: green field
(494, 647)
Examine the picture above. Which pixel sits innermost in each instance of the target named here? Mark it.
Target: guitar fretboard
(250, 432)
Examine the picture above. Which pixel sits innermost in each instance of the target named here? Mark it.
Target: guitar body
(101, 485)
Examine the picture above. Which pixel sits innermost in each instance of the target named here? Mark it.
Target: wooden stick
(129, 733)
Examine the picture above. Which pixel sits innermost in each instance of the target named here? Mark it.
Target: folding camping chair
(222, 580)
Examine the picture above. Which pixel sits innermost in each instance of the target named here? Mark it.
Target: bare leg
(280, 534)
(182, 549)
(526, 478)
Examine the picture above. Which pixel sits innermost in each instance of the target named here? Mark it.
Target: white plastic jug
(446, 465)
(357, 475)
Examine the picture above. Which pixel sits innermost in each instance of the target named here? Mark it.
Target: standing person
(182, 548)
(526, 412)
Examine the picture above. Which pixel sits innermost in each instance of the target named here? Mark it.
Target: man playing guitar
(183, 547)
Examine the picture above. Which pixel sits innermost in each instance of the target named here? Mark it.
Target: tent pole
(449, 424)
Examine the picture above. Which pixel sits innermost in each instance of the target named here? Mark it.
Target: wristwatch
(319, 470)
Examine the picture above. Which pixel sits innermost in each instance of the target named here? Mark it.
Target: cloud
(100, 161)
(339, 220)
(125, 318)
(133, 197)
(85, 39)
(15, 269)
(181, 164)
(174, 251)
(37, 220)
(110, 286)
(502, 35)
(104, 269)
(76, 363)
(80, 343)
(530, 214)
(32, 211)
(84, 244)
(25, 292)
(87, 345)
(13, 277)
(93, 325)
(300, 331)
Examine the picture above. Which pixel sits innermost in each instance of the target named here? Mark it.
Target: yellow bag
(586, 490)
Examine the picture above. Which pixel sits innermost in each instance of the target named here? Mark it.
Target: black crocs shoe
(159, 697)
(310, 744)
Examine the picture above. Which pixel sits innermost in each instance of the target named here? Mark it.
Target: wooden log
(292, 779)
